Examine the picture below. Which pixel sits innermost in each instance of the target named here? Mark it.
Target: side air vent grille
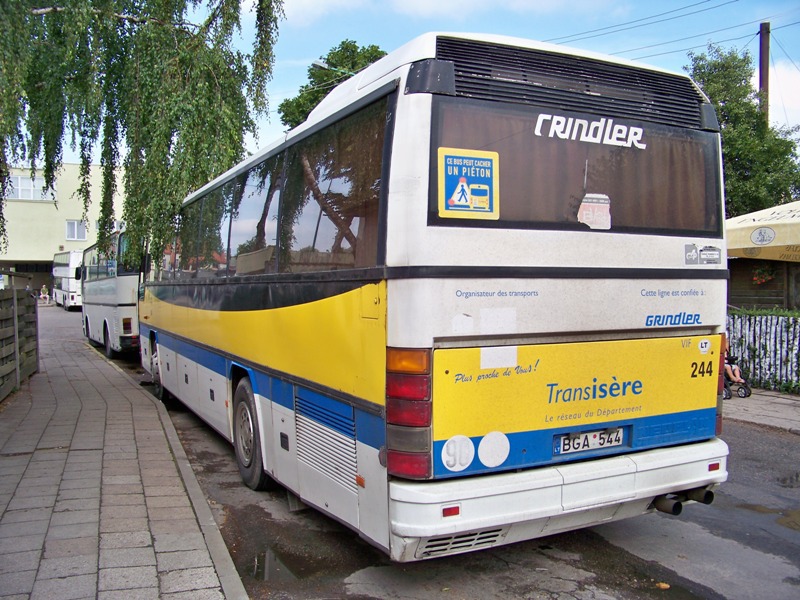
(508, 74)
(326, 442)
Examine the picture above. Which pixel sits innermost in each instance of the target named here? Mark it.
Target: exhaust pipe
(701, 495)
(668, 505)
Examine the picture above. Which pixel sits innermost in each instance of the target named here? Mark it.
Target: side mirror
(78, 273)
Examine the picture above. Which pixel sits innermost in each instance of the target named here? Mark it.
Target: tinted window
(329, 211)
(567, 170)
(255, 215)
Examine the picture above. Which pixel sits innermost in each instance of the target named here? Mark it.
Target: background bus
(477, 298)
(66, 288)
(110, 294)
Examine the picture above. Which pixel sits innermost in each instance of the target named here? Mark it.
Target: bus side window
(254, 217)
(330, 204)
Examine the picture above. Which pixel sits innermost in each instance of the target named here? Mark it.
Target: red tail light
(413, 465)
(723, 348)
(408, 413)
(408, 387)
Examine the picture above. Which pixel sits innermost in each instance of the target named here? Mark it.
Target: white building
(41, 224)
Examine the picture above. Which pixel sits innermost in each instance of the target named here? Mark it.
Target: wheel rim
(244, 430)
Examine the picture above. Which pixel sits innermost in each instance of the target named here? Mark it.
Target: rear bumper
(510, 507)
(129, 342)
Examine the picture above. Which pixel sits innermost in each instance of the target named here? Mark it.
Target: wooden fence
(767, 349)
(19, 347)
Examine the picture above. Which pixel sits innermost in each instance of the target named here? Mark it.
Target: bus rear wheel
(247, 438)
(109, 351)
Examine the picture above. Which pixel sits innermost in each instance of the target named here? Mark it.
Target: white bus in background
(110, 295)
(66, 288)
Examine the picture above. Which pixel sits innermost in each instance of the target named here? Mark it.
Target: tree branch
(38, 12)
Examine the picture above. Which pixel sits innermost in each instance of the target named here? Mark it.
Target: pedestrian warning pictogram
(468, 184)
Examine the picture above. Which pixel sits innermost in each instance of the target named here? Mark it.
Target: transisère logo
(602, 131)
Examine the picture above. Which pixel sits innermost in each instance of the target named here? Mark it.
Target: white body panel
(106, 302)
(545, 501)
(66, 288)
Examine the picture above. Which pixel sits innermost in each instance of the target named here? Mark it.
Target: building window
(76, 231)
(115, 225)
(28, 188)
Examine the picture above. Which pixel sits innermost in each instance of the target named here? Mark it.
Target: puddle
(787, 518)
(269, 567)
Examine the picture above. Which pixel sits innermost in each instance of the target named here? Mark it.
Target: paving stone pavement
(97, 498)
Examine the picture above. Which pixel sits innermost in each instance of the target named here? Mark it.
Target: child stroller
(742, 389)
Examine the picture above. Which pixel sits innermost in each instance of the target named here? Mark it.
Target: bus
(478, 297)
(110, 297)
(66, 288)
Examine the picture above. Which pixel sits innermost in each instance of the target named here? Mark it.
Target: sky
(657, 33)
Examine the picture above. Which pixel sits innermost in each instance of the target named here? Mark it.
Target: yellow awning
(769, 234)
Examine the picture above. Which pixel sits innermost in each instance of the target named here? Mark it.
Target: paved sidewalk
(97, 498)
(765, 407)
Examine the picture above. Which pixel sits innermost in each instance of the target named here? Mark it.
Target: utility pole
(763, 69)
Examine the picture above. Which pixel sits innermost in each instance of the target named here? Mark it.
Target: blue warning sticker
(468, 184)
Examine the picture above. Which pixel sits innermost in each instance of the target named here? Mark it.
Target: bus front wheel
(246, 438)
(155, 373)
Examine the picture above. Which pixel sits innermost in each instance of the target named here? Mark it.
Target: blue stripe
(535, 448)
(210, 360)
(370, 429)
(340, 416)
(326, 411)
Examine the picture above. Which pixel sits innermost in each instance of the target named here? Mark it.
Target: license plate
(588, 440)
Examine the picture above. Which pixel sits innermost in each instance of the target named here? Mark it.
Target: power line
(566, 37)
(783, 104)
(686, 38)
(576, 39)
(704, 45)
(777, 41)
(751, 36)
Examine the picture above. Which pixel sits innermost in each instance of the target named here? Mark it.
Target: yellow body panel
(526, 388)
(338, 342)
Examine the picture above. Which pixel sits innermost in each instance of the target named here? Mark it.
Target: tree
(760, 162)
(343, 61)
(166, 99)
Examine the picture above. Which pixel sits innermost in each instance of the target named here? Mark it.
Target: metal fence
(767, 349)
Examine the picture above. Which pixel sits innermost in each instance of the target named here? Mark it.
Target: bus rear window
(567, 170)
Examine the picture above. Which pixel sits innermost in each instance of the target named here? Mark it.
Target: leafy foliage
(761, 162)
(343, 61)
(168, 100)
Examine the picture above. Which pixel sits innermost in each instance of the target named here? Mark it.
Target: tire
(155, 373)
(726, 393)
(109, 351)
(247, 439)
(742, 392)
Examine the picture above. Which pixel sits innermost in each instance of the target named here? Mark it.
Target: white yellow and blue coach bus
(477, 298)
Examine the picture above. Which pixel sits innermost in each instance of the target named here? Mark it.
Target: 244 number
(703, 369)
